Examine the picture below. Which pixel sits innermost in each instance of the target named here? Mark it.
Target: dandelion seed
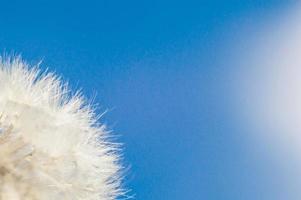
(51, 145)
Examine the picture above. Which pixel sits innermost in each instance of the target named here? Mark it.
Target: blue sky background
(159, 67)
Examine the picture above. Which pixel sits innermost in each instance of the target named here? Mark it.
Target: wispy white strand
(51, 146)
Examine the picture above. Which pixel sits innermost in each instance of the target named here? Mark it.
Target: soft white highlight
(272, 79)
(267, 103)
(51, 145)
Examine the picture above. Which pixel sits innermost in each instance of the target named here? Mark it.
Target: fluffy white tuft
(51, 146)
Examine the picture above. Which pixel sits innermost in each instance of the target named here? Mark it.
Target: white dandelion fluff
(51, 146)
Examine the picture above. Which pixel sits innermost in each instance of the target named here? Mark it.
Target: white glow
(270, 84)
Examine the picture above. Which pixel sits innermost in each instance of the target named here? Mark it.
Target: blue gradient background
(159, 68)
